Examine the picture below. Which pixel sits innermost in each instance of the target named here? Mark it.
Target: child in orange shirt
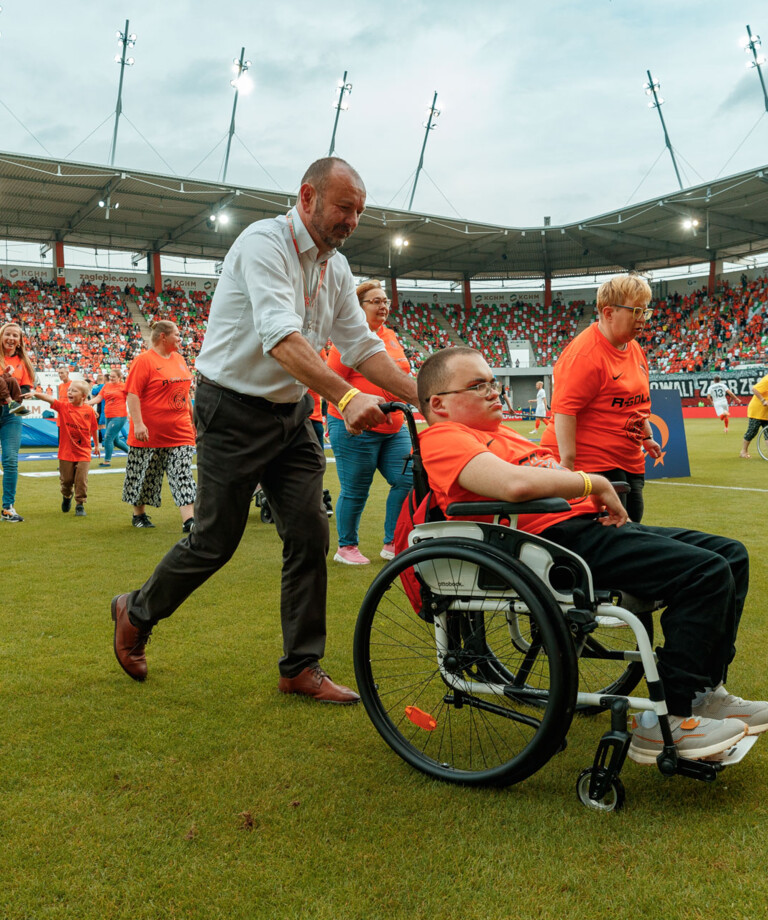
(78, 426)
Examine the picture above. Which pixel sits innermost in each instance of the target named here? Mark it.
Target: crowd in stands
(487, 327)
(188, 309)
(697, 332)
(90, 327)
(85, 327)
(418, 331)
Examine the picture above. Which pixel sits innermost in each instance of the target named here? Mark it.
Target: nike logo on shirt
(617, 376)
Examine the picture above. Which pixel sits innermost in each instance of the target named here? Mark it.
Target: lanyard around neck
(309, 301)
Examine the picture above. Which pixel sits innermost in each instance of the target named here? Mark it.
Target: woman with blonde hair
(14, 361)
(601, 400)
(162, 432)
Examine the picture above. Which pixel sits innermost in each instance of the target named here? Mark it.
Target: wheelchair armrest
(481, 509)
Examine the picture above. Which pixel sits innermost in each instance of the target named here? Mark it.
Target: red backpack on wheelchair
(419, 507)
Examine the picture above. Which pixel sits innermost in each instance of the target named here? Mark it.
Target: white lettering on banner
(77, 277)
(739, 380)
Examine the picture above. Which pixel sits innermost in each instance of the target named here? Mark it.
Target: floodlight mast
(752, 44)
(432, 112)
(344, 87)
(650, 90)
(127, 41)
(241, 67)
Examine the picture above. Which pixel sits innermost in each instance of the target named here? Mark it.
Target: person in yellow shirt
(757, 414)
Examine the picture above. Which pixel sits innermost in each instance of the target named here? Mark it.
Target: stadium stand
(86, 327)
(91, 327)
(188, 309)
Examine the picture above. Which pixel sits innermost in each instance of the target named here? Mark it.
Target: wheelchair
(475, 647)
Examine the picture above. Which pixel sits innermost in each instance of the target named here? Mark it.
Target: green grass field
(204, 793)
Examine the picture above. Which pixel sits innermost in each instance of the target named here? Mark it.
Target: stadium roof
(47, 200)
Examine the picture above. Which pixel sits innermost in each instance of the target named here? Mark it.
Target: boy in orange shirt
(470, 456)
(78, 426)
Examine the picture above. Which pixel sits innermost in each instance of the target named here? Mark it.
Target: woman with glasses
(601, 400)
(382, 448)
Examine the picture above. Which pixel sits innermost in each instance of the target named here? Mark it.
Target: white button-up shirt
(259, 300)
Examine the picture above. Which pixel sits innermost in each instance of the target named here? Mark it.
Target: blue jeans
(112, 437)
(10, 441)
(357, 459)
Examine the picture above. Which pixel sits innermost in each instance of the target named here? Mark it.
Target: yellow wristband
(345, 399)
(587, 483)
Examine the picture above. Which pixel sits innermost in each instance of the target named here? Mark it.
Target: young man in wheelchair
(703, 579)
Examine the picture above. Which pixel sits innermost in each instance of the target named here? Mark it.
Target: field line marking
(701, 485)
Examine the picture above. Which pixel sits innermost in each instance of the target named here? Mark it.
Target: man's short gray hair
(320, 171)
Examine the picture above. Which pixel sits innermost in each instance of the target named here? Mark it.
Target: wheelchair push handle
(394, 406)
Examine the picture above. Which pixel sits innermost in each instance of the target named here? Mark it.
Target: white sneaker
(388, 551)
(694, 737)
(720, 704)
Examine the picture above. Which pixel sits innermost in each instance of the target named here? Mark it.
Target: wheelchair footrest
(707, 768)
(734, 754)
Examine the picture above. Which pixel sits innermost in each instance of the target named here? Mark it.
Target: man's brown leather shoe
(316, 683)
(130, 642)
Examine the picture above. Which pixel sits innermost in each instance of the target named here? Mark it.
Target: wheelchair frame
(480, 685)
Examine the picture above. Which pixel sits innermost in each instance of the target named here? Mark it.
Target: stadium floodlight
(399, 243)
(432, 113)
(751, 43)
(126, 40)
(240, 83)
(652, 89)
(341, 106)
(690, 223)
(108, 205)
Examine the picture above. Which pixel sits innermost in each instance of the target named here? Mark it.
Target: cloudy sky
(543, 111)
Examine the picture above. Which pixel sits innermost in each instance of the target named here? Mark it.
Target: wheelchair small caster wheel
(613, 800)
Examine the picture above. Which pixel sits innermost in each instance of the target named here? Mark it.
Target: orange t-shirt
(356, 379)
(114, 400)
(609, 393)
(77, 425)
(162, 385)
(447, 448)
(19, 371)
(317, 411)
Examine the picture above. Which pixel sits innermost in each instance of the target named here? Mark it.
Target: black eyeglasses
(485, 388)
(637, 312)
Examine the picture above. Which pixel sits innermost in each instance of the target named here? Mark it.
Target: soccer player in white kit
(717, 393)
(540, 413)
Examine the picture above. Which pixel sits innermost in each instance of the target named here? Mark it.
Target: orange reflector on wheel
(420, 718)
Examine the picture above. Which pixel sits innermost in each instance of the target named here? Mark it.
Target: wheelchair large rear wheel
(762, 442)
(470, 690)
(602, 667)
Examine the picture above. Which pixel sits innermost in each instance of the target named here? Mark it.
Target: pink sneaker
(388, 551)
(350, 555)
